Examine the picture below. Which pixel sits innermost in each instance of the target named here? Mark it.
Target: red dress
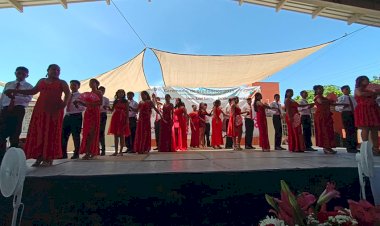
(235, 123)
(119, 125)
(217, 127)
(295, 137)
(263, 128)
(367, 113)
(143, 137)
(45, 129)
(180, 124)
(91, 124)
(166, 132)
(324, 124)
(194, 117)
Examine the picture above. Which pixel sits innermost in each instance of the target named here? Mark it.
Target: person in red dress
(143, 137)
(180, 126)
(166, 132)
(293, 121)
(91, 120)
(259, 108)
(194, 126)
(235, 124)
(44, 138)
(119, 126)
(367, 113)
(202, 123)
(217, 126)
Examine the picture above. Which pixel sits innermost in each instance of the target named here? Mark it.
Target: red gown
(235, 123)
(45, 129)
(180, 124)
(295, 137)
(324, 125)
(263, 128)
(166, 132)
(217, 127)
(119, 125)
(367, 113)
(194, 117)
(143, 135)
(91, 124)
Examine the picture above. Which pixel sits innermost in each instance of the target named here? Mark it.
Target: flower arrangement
(306, 210)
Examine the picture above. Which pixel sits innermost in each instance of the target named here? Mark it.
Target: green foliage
(375, 79)
(328, 89)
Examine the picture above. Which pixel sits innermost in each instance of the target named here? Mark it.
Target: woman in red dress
(119, 125)
(180, 126)
(367, 113)
(202, 123)
(217, 126)
(91, 120)
(293, 121)
(194, 125)
(259, 108)
(166, 131)
(43, 141)
(235, 124)
(143, 137)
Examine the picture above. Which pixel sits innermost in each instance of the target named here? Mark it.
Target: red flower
(365, 213)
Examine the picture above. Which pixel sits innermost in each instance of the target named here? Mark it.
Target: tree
(375, 79)
(327, 90)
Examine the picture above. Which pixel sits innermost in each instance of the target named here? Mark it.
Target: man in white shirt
(277, 122)
(348, 118)
(157, 121)
(133, 109)
(208, 129)
(305, 113)
(229, 142)
(249, 123)
(13, 110)
(103, 121)
(72, 122)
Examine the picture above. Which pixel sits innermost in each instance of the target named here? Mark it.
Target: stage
(196, 187)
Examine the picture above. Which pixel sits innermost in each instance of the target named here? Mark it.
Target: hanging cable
(126, 20)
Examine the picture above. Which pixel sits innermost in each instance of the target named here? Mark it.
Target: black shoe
(75, 157)
(103, 154)
(250, 147)
(311, 149)
(279, 148)
(353, 151)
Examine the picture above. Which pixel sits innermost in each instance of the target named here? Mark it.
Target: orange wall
(268, 89)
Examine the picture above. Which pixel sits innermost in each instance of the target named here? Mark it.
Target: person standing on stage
(180, 126)
(249, 123)
(12, 110)
(305, 113)
(194, 126)
(260, 108)
(277, 122)
(72, 122)
(103, 121)
(226, 120)
(235, 124)
(202, 124)
(348, 118)
(133, 110)
(166, 128)
(157, 120)
(207, 128)
(217, 126)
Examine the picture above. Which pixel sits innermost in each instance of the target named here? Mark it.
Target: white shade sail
(183, 70)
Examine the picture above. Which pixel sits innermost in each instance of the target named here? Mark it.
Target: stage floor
(196, 161)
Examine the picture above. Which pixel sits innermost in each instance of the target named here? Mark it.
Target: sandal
(329, 151)
(37, 163)
(114, 154)
(266, 150)
(120, 154)
(47, 163)
(86, 157)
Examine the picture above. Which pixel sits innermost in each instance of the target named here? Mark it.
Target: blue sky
(91, 38)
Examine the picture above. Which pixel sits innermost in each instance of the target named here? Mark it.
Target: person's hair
(131, 93)
(359, 80)
(179, 104)
(236, 98)
(201, 106)
(146, 94)
(193, 105)
(287, 91)
(302, 92)
(102, 88)
(50, 66)
(231, 99)
(316, 87)
(22, 68)
(75, 82)
(217, 103)
(249, 98)
(123, 98)
(276, 95)
(167, 95)
(96, 82)
(344, 87)
(257, 95)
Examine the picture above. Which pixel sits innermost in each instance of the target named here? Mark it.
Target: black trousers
(351, 131)
(249, 127)
(72, 125)
(130, 141)
(229, 141)
(102, 135)
(306, 130)
(157, 131)
(277, 124)
(207, 134)
(10, 126)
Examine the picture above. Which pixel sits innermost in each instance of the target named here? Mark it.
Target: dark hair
(75, 82)
(217, 102)
(131, 93)
(249, 98)
(287, 91)
(146, 94)
(359, 80)
(22, 68)
(50, 66)
(123, 99)
(303, 91)
(200, 105)
(344, 87)
(180, 103)
(167, 95)
(231, 99)
(316, 87)
(256, 99)
(102, 88)
(96, 81)
(276, 95)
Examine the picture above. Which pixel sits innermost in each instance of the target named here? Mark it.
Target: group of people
(54, 119)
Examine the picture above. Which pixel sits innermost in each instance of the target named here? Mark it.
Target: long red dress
(180, 124)
(166, 131)
(217, 127)
(119, 125)
(45, 128)
(91, 124)
(323, 122)
(194, 117)
(263, 128)
(367, 113)
(143, 137)
(235, 123)
(295, 137)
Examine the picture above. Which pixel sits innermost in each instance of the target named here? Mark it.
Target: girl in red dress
(43, 141)
(143, 137)
(91, 120)
(259, 108)
(119, 126)
(235, 124)
(367, 113)
(202, 123)
(194, 125)
(180, 126)
(217, 126)
(166, 136)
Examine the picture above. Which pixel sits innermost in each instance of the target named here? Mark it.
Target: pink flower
(328, 194)
(365, 212)
(305, 200)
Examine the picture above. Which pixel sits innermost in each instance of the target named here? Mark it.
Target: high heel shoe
(329, 151)
(47, 163)
(37, 163)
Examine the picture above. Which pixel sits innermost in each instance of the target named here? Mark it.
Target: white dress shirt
(105, 103)
(71, 108)
(345, 99)
(227, 111)
(20, 99)
(133, 104)
(277, 110)
(248, 108)
(304, 110)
